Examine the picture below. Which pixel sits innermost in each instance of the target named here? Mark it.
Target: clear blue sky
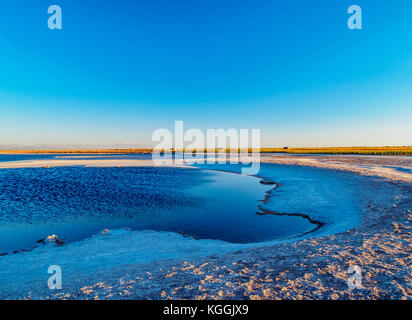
(120, 69)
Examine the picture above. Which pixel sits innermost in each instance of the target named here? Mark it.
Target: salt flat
(382, 166)
(311, 268)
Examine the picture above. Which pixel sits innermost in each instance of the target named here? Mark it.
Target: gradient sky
(121, 69)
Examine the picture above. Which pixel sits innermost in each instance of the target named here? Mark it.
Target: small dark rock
(267, 182)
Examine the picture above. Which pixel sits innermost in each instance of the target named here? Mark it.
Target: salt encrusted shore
(380, 166)
(315, 268)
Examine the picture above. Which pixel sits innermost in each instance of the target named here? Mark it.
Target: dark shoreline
(267, 211)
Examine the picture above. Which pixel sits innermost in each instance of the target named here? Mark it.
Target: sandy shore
(315, 268)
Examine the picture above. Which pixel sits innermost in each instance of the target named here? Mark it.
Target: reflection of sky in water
(22, 157)
(75, 202)
(336, 198)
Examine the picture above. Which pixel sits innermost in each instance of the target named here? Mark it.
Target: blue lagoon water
(208, 202)
(77, 202)
(23, 157)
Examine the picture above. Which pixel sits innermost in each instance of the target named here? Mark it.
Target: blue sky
(121, 69)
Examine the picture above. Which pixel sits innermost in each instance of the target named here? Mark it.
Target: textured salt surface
(312, 268)
(380, 166)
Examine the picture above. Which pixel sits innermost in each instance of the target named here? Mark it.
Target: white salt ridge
(104, 251)
(109, 249)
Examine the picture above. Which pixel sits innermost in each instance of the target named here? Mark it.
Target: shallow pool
(77, 202)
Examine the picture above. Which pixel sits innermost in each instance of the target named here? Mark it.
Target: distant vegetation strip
(332, 150)
(397, 151)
